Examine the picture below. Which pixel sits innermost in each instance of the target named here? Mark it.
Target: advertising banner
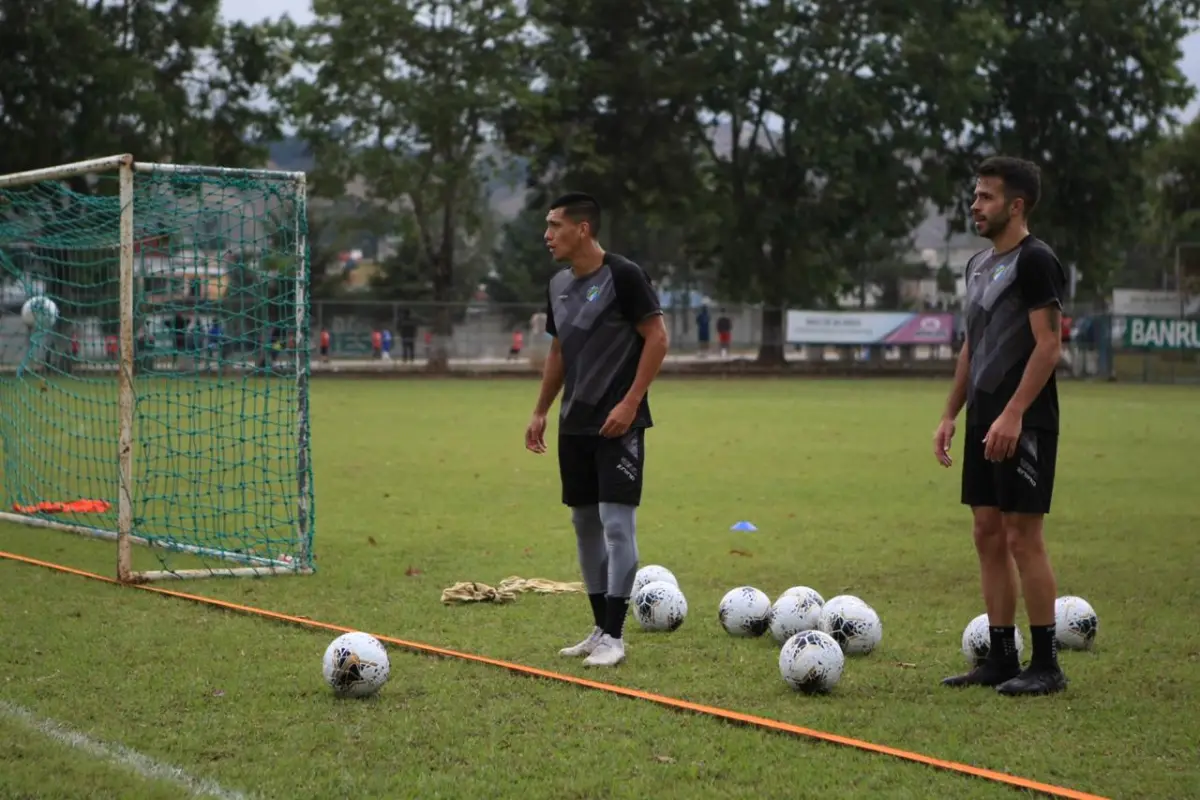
(868, 327)
(1162, 334)
(1152, 303)
(932, 329)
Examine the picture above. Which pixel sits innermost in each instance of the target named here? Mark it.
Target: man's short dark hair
(1021, 178)
(580, 207)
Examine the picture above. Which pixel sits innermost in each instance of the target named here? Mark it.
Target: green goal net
(154, 364)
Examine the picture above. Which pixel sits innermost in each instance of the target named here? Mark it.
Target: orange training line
(663, 700)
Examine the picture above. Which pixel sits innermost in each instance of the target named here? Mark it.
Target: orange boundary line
(662, 700)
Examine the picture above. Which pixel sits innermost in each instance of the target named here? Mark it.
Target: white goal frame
(124, 535)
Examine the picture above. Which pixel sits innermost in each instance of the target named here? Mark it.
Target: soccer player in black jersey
(1005, 377)
(609, 342)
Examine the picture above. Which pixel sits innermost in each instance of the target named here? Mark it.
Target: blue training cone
(748, 527)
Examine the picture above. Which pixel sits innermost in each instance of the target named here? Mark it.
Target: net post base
(217, 572)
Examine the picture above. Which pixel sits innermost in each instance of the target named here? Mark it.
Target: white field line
(132, 760)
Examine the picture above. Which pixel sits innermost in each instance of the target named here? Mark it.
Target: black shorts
(595, 469)
(1023, 484)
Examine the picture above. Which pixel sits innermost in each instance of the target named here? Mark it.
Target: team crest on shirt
(593, 293)
(999, 269)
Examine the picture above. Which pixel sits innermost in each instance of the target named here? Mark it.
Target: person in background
(179, 330)
(324, 345)
(376, 344)
(703, 333)
(216, 345)
(386, 350)
(518, 343)
(408, 339)
(724, 333)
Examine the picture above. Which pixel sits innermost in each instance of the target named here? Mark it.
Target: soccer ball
(839, 600)
(853, 624)
(39, 311)
(745, 611)
(803, 591)
(356, 665)
(794, 613)
(811, 662)
(649, 574)
(977, 641)
(660, 606)
(1075, 623)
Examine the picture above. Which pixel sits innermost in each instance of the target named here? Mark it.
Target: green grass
(35, 766)
(840, 480)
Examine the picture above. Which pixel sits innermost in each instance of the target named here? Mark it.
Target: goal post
(154, 364)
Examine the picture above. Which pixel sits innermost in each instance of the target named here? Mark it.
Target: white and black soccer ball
(649, 574)
(977, 641)
(745, 611)
(811, 662)
(837, 601)
(659, 606)
(1075, 623)
(853, 624)
(39, 312)
(792, 614)
(803, 591)
(356, 665)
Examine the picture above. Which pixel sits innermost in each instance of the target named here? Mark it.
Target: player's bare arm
(944, 434)
(552, 381)
(654, 334)
(653, 331)
(1046, 322)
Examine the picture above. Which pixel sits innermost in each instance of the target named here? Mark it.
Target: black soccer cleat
(1034, 681)
(987, 673)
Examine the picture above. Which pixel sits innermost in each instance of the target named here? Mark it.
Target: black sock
(1045, 647)
(599, 608)
(1004, 644)
(614, 623)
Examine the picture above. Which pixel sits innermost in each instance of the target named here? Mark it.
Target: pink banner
(924, 329)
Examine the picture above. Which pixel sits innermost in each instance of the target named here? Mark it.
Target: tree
(523, 266)
(1173, 207)
(402, 99)
(164, 81)
(820, 124)
(1174, 182)
(1083, 89)
(617, 102)
(160, 80)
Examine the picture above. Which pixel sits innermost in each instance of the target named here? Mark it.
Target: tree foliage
(397, 97)
(1084, 89)
(782, 149)
(1174, 188)
(161, 80)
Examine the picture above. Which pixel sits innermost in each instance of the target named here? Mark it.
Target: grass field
(422, 484)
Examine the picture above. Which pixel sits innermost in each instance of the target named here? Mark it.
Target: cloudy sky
(254, 10)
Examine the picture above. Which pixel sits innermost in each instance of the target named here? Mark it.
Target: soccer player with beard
(1005, 377)
(609, 342)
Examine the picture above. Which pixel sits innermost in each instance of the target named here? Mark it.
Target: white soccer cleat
(584, 648)
(608, 653)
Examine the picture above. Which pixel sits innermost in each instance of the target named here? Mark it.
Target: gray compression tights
(608, 554)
